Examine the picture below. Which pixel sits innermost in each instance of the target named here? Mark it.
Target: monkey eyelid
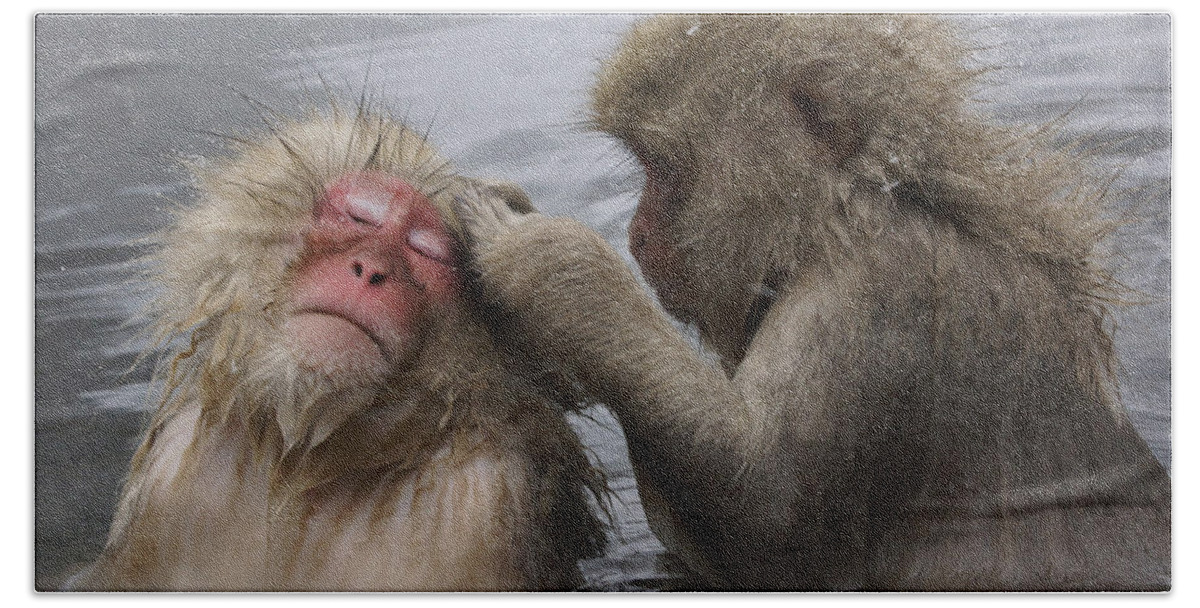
(429, 244)
(364, 210)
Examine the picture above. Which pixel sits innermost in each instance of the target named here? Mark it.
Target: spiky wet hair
(222, 264)
(224, 270)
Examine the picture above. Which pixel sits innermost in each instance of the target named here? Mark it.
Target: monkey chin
(334, 346)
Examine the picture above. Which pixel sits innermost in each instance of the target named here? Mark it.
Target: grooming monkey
(918, 388)
(335, 416)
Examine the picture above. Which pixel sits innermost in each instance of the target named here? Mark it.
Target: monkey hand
(559, 291)
(523, 259)
(486, 214)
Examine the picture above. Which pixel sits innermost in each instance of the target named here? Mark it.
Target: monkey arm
(570, 302)
(569, 299)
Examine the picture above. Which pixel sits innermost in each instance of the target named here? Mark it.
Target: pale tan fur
(446, 525)
(446, 472)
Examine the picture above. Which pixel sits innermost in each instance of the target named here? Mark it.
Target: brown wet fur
(449, 473)
(917, 387)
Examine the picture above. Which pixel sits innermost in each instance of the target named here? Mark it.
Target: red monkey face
(376, 261)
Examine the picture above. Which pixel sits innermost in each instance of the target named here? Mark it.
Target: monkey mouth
(366, 331)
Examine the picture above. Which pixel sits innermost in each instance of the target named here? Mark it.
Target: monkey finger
(477, 218)
(484, 214)
(511, 194)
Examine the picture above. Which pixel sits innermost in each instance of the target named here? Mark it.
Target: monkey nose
(371, 273)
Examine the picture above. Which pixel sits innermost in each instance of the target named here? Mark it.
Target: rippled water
(120, 100)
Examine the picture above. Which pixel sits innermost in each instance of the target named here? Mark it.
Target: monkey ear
(830, 122)
(512, 194)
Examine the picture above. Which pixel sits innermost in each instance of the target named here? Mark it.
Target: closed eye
(431, 244)
(371, 211)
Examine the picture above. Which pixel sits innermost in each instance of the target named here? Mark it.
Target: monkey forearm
(570, 303)
(576, 305)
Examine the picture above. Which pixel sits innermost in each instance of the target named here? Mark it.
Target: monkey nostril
(373, 278)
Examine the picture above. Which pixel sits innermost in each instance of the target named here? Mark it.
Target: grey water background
(120, 100)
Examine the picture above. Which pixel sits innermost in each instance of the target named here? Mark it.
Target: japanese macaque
(917, 389)
(336, 416)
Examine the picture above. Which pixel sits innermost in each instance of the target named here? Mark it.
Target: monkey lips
(376, 260)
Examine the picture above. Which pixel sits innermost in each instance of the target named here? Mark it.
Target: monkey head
(773, 144)
(316, 276)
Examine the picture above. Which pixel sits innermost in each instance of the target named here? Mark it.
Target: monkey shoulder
(173, 528)
(515, 511)
(462, 519)
(530, 439)
(983, 379)
(841, 329)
